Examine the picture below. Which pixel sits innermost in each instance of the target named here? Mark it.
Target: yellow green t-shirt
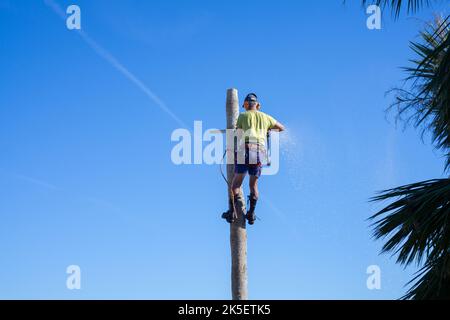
(255, 125)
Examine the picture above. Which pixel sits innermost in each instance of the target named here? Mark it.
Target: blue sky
(85, 171)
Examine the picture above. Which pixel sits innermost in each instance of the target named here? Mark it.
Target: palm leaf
(417, 226)
(397, 5)
(432, 281)
(426, 103)
(418, 220)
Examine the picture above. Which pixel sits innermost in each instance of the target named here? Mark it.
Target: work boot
(229, 215)
(251, 216)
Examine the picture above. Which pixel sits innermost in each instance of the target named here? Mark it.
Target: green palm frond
(432, 281)
(419, 220)
(417, 226)
(397, 5)
(426, 103)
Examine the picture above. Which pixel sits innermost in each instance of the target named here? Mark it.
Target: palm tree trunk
(238, 232)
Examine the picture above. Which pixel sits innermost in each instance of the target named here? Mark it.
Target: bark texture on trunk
(238, 232)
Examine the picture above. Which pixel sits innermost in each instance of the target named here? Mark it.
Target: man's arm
(278, 126)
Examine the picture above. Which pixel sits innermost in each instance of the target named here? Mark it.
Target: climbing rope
(221, 169)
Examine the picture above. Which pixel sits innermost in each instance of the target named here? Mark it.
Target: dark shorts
(251, 162)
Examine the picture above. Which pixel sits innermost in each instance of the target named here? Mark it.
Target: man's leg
(237, 183)
(254, 186)
(254, 194)
(238, 197)
(237, 201)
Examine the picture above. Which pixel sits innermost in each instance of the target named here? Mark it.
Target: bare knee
(236, 186)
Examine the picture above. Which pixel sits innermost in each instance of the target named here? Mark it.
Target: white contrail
(50, 186)
(102, 52)
(34, 181)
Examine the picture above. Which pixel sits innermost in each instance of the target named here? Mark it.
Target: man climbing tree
(250, 154)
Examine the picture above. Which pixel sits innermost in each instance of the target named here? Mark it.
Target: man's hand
(278, 126)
